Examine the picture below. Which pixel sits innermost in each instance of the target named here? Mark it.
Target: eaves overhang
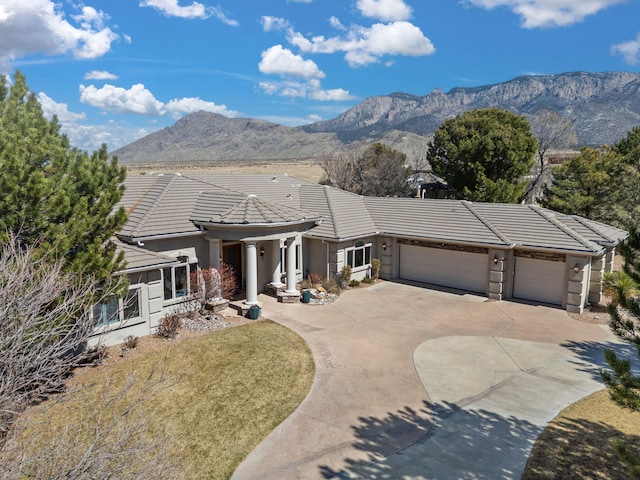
(132, 240)
(343, 239)
(302, 221)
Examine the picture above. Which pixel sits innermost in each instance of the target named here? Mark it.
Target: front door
(232, 256)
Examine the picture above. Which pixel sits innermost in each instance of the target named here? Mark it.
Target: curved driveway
(419, 384)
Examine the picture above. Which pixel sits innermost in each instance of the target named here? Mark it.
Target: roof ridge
(591, 225)
(551, 217)
(167, 180)
(469, 206)
(325, 190)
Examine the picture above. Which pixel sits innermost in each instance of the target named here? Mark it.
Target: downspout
(328, 262)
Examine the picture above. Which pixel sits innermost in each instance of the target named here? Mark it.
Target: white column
(275, 264)
(215, 253)
(252, 274)
(291, 265)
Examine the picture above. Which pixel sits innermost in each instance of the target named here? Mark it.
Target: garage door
(448, 268)
(539, 280)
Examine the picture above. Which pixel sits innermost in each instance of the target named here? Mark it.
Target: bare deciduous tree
(376, 170)
(552, 131)
(44, 324)
(89, 433)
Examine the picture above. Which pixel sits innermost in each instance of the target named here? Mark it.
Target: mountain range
(603, 107)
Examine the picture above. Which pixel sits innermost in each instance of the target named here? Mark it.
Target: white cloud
(100, 75)
(336, 23)
(274, 23)
(366, 45)
(548, 13)
(311, 89)
(170, 8)
(630, 50)
(50, 108)
(281, 61)
(385, 10)
(177, 107)
(137, 99)
(39, 26)
(113, 134)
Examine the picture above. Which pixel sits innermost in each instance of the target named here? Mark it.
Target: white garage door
(539, 280)
(448, 268)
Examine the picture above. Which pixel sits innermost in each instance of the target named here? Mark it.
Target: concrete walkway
(419, 384)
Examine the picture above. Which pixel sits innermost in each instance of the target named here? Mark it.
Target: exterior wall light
(384, 245)
(262, 251)
(495, 259)
(576, 268)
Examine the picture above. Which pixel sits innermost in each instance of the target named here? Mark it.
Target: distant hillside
(603, 107)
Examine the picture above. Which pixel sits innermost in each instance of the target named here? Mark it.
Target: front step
(284, 297)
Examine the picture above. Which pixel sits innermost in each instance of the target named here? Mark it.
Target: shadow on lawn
(456, 446)
(578, 448)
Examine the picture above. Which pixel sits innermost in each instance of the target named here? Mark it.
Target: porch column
(291, 265)
(215, 253)
(252, 273)
(276, 276)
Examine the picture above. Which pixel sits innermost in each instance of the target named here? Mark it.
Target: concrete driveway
(414, 383)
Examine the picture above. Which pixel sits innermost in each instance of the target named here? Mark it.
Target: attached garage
(539, 280)
(448, 268)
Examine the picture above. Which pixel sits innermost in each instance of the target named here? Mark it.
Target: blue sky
(114, 71)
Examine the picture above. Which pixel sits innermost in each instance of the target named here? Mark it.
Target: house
(276, 229)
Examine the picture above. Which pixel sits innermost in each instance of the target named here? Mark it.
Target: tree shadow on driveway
(462, 443)
(590, 355)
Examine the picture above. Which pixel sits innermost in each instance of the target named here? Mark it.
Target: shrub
(331, 286)
(367, 280)
(169, 325)
(375, 268)
(315, 279)
(131, 342)
(228, 281)
(345, 275)
(306, 283)
(354, 283)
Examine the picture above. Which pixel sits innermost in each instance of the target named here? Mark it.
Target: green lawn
(224, 392)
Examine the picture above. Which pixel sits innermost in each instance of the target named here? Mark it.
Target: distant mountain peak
(604, 106)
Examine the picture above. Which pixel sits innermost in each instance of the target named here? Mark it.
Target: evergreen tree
(583, 185)
(483, 154)
(58, 197)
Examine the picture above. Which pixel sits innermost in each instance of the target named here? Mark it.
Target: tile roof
(344, 214)
(439, 220)
(173, 204)
(530, 226)
(138, 258)
(243, 210)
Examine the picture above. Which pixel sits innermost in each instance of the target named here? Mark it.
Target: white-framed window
(175, 280)
(359, 255)
(118, 310)
(283, 257)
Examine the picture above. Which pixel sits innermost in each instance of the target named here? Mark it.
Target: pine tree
(53, 195)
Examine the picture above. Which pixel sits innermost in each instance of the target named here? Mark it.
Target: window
(176, 280)
(116, 310)
(359, 255)
(283, 257)
(106, 312)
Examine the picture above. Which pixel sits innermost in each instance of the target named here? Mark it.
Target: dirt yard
(308, 170)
